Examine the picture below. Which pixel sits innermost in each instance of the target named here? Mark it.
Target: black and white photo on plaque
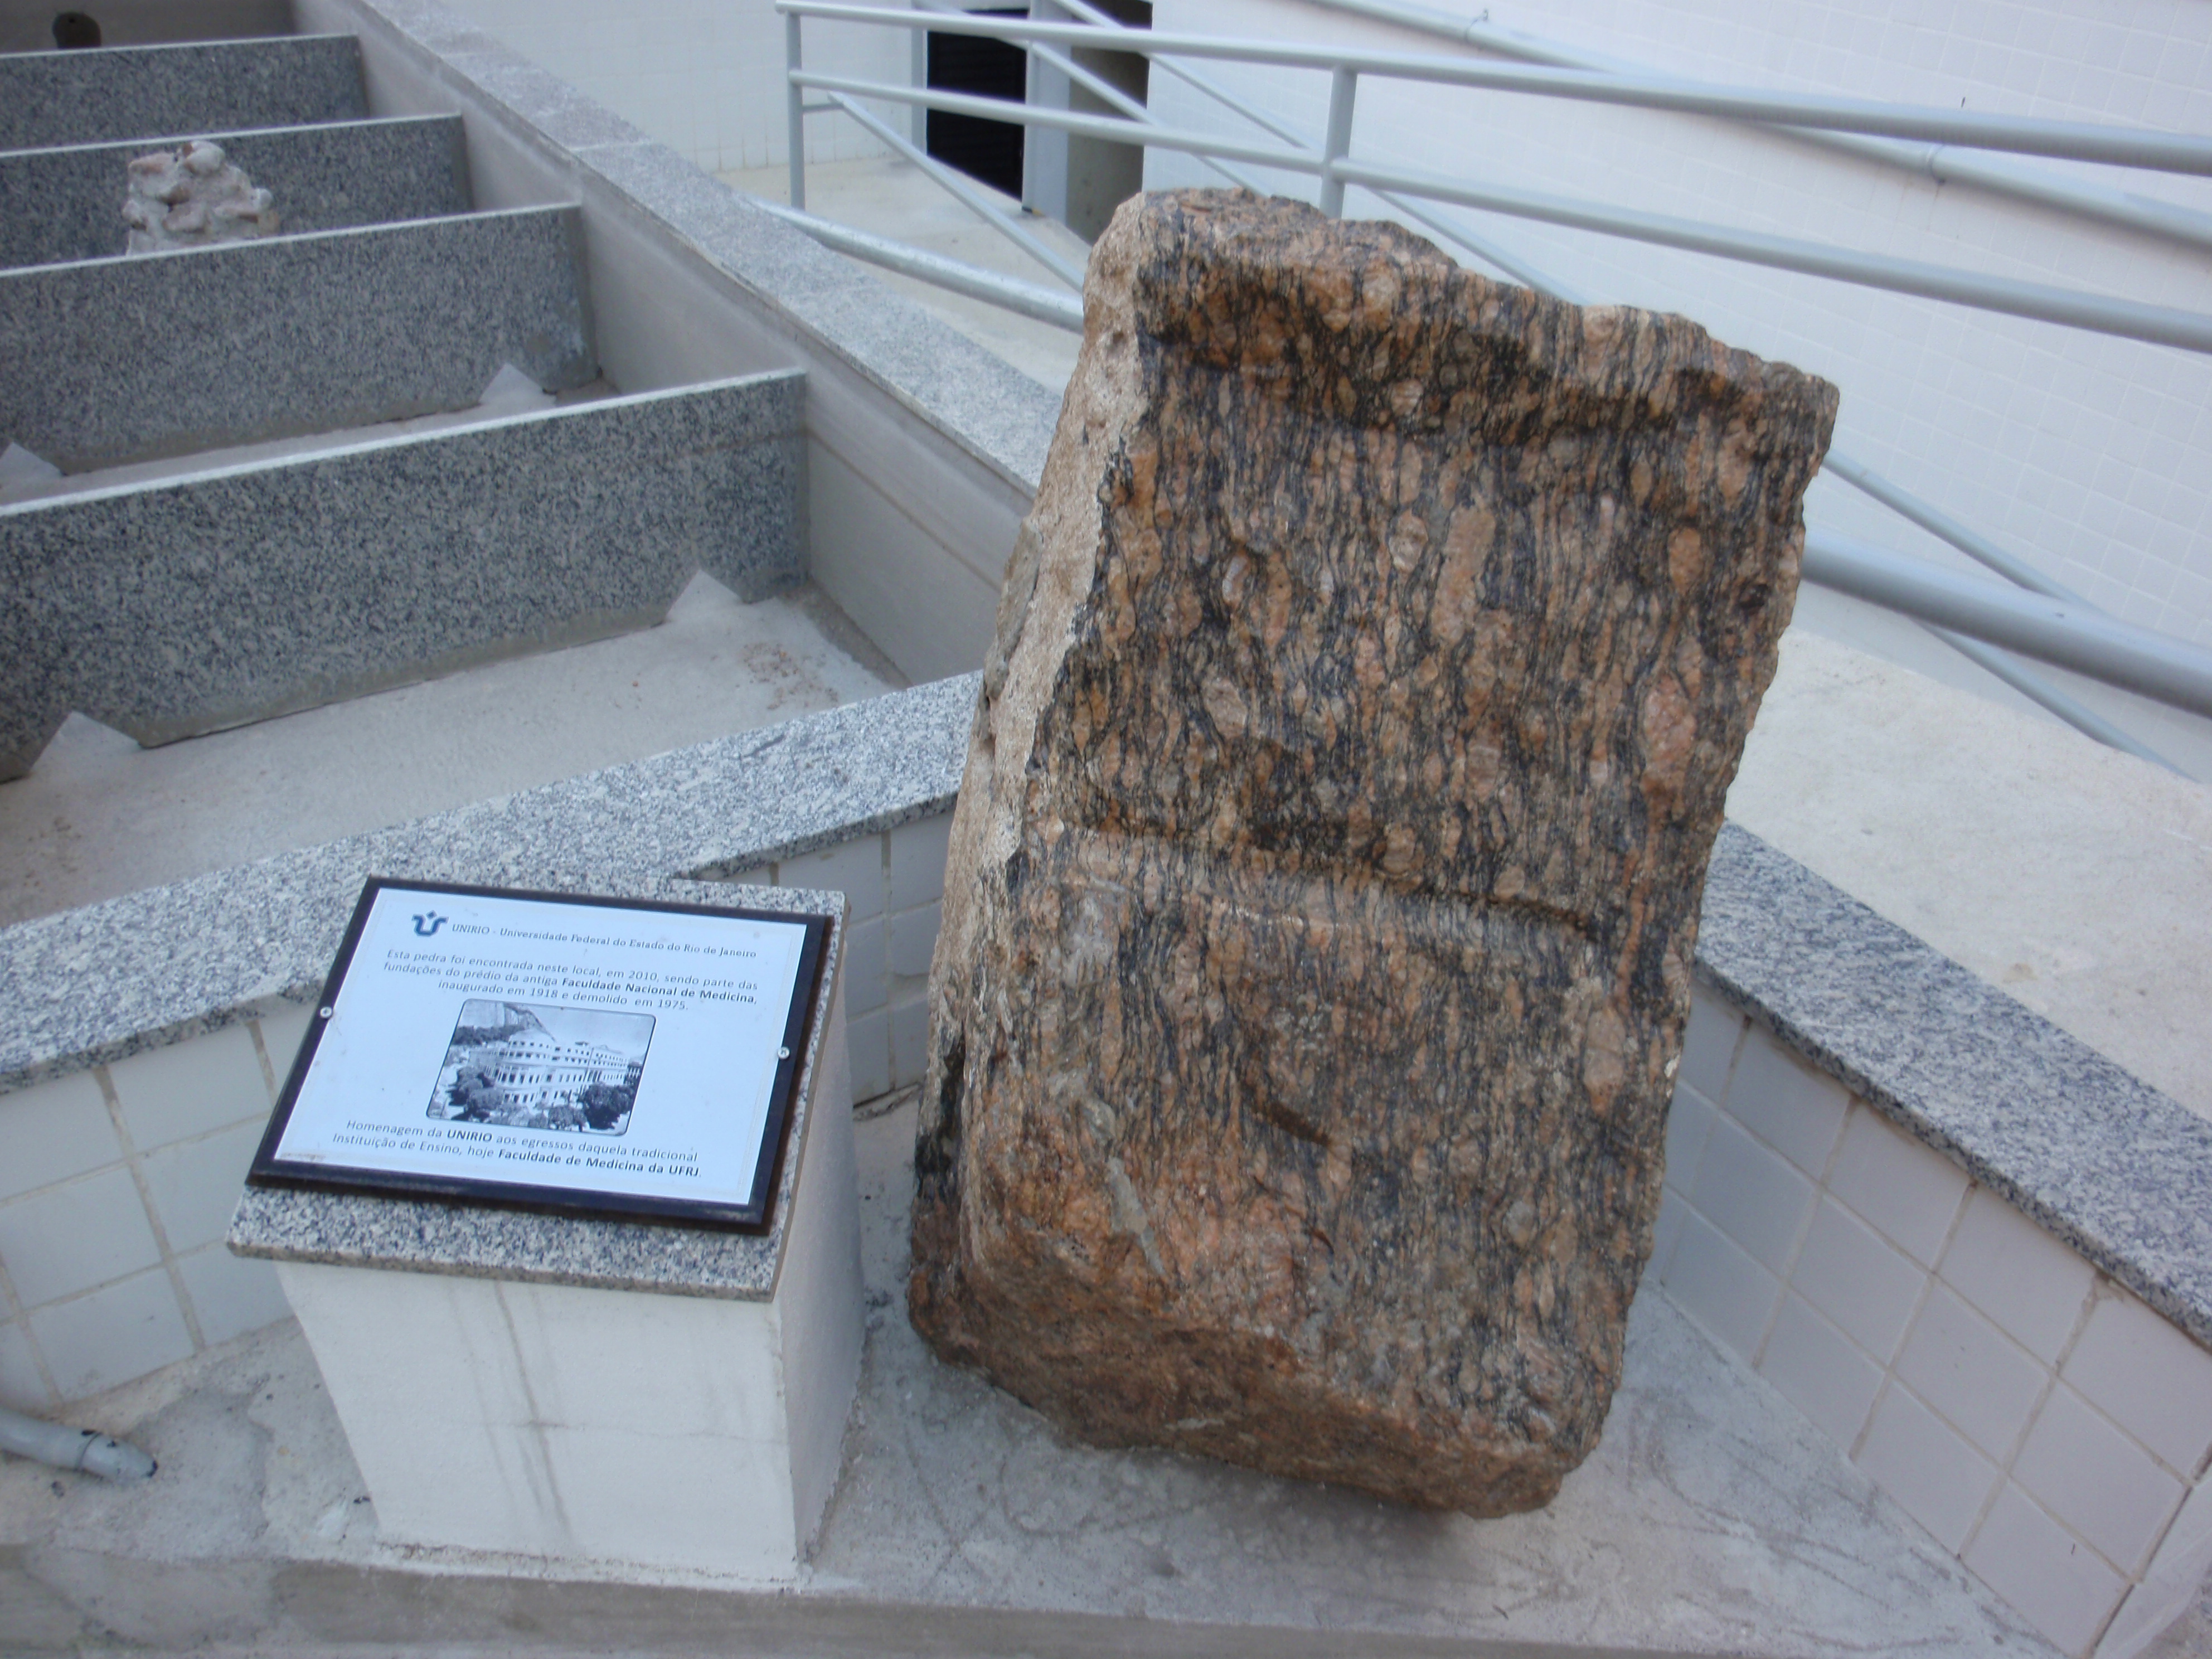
(542, 1067)
(609, 1056)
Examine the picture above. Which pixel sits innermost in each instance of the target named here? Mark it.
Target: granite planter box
(390, 560)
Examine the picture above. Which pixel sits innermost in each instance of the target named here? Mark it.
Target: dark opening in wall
(988, 151)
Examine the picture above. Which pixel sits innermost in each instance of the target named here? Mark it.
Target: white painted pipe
(1029, 300)
(2082, 640)
(72, 1448)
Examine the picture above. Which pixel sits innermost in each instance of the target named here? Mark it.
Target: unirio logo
(428, 924)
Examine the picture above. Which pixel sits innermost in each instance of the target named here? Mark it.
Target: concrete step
(113, 93)
(123, 358)
(184, 606)
(65, 203)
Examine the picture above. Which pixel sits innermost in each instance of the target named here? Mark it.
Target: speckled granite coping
(62, 204)
(185, 606)
(117, 93)
(2109, 1164)
(120, 360)
(361, 1230)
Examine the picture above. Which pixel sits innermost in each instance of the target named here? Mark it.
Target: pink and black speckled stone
(1318, 927)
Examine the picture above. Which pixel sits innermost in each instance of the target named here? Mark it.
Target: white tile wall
(281, 1034)
(115, 1191)
(1752, 1194)
(918, 855)
(1823, 1372)
(1909, 1193)
(231, 1294)
(21, 1385)
(190, 1088)
(2029, 1283)
(1666, 1231)
(868, 1039)
(2172, 1585)
(52, 1131)
(1689, 1124)
(2043, 1570)
(895, 884)
(195, 1183)
(1860, 1281)
(2036, 1418)
(120, 1331)
(1728, 1293)
(1927, 1466)
(1797, 1112)
(1972, 1372)
(2097, 1480)
(909, 938)
(867, 982)
(854, 868)
(909, 1042)
(2148, 1378)
(61, 1240)
(1709, 1047)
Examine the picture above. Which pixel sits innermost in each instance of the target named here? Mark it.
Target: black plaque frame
(753, 1216)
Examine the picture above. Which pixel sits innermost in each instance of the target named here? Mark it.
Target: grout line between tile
(133, 1162)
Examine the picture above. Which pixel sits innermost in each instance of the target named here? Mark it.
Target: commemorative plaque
(609, 1056)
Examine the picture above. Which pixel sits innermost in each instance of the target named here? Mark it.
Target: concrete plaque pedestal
(526, 1384)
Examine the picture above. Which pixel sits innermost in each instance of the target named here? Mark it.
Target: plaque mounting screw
(322, 1013)
(783, 1054)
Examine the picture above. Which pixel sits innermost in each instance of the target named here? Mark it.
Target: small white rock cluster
(192, 197)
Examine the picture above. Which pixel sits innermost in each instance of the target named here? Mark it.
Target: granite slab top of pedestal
(479, 1240)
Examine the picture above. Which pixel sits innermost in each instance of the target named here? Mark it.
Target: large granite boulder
(1318, 930)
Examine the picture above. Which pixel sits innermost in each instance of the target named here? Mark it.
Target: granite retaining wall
(127, 359)
(168, 609)
(117, 93)
(64, 204)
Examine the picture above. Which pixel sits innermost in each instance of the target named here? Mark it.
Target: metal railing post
(794, 110)
(917, 119)
(1343, 84)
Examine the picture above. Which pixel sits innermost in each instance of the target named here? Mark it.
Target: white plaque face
(604, 1055)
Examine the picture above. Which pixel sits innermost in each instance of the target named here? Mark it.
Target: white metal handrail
(1969, 615)
(1939, 161)
(2075, 141)
(2043, 302)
